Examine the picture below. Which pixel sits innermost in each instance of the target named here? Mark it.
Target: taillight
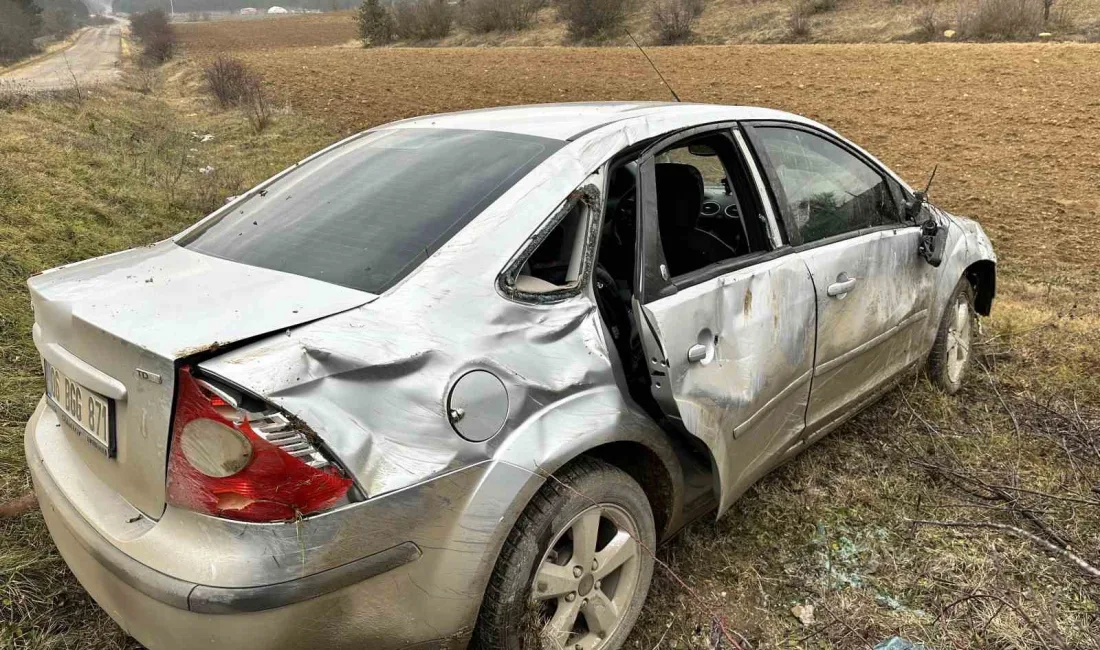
(220, 465)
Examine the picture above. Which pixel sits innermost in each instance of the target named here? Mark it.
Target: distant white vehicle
(249, 11)
(277, 10)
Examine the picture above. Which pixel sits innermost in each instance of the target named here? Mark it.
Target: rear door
(844, 216)
(729, 343)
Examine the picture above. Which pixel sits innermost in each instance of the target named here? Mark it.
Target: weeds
(142, 79)
(798, 20)
(257, 106)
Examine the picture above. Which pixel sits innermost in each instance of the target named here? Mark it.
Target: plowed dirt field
(1014, 128)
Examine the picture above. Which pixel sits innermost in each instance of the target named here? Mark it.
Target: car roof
(566, 121)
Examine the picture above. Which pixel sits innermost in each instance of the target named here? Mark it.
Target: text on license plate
(87, 412)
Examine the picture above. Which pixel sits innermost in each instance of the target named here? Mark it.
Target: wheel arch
(617, 433)
(651, 472)
(982, 276)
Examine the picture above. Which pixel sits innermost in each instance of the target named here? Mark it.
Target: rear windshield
(370, 211)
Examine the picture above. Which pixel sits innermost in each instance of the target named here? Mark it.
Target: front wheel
(951, 356)
(576, 567)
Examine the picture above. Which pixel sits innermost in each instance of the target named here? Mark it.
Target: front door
(726, 311)
(872, 288)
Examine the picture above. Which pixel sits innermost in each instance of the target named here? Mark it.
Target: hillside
(722, 22)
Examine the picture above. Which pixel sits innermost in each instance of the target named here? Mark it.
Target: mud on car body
(462, 366)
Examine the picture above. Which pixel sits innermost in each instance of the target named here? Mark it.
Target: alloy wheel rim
(958, 340)
(588, 578)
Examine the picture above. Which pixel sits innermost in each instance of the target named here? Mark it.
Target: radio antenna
(653, 65)
(929, 185)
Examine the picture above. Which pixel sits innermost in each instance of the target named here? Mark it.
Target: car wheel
(575, 570)
(951, 353)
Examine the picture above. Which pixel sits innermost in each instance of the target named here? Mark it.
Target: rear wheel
(576, 568)
(951, 357)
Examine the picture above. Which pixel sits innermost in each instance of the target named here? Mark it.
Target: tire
(951, 358)
(538, 578)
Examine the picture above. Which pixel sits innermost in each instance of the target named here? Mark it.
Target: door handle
(842, 286)
(697, 353)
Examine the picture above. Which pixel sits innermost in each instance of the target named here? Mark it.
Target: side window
(702, 194)
(826, 190)
(552, 265)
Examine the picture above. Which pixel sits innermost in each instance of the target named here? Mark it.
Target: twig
(845, 624)
(997, 392)
(1053, 548)
(1004, 603)
(76, 84)
(991, 487)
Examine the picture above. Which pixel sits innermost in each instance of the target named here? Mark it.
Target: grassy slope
(829, 529)
(117, 170)
(722, 22)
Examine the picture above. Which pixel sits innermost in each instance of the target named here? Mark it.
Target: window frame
(591, 192)
(650, 283)
(775, 186)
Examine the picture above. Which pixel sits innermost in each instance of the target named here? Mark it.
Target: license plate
(88, 414)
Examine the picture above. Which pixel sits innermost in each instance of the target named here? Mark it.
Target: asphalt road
(91, 60)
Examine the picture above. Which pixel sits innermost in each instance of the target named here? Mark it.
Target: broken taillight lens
(219, 465)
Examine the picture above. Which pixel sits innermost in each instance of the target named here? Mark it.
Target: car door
(729, 344)
(844, 215)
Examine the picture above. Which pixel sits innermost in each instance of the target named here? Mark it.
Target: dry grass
(121, 168)
(1010, 127)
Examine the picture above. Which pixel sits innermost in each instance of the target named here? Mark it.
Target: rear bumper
(404, 595)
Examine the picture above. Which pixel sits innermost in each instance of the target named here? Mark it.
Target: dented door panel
(745, 396)
(873, 293)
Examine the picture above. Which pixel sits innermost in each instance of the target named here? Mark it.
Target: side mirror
(915, 205)
(933, 239)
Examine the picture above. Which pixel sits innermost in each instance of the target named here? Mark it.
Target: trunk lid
(118, 325)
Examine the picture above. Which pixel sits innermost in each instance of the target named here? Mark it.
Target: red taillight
(220, 466)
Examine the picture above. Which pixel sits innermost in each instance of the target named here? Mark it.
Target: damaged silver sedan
(462, 369)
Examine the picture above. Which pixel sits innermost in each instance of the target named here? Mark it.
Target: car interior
(556, 263)
(707, 216)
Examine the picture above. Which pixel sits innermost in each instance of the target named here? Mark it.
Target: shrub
(593, 19)
(157, 36)
(928, 27)
(798, 21)
(145, 23)
(480, 16)
(421, 20)
(1000, 19)
(159, 47)
(256, 105)
(228, 80)
(375, 24)
(673, 19)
